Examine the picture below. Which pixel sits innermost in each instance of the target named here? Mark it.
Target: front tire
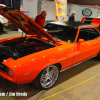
(48, 77)
(1, 27)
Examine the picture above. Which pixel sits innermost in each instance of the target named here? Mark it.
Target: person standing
(72, 18)
(40, 19)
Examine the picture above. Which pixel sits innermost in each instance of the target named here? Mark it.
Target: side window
(88, 34)
(93, 34)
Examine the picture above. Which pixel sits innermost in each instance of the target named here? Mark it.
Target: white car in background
(3, 21)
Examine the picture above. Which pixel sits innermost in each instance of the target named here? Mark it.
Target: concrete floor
(77, 83)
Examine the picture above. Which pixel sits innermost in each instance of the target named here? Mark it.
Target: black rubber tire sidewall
(1, 27)
(37, 80)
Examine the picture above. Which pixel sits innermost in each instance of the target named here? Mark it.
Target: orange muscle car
(39, 56)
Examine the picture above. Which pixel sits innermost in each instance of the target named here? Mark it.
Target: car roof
(73, 24)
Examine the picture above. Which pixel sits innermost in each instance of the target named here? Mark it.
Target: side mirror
(81, 40)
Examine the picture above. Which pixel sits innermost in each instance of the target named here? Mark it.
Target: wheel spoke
(51, 73)
(47, 70)
(43, 76)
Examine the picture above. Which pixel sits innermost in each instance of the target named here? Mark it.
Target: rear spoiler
(93, 21)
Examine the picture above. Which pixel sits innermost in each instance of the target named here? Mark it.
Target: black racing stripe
(88, 20)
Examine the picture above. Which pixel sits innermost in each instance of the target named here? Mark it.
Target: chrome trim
(77, 64)
(26, 73)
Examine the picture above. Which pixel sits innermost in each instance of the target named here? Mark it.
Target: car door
(87, 48)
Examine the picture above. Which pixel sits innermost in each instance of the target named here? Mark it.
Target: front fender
(27, 68)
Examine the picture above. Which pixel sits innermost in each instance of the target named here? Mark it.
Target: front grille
(3, 68)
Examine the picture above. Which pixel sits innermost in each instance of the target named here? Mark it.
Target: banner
(60, 10)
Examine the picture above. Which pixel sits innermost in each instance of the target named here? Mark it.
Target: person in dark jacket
(72, 18)
(40, 19)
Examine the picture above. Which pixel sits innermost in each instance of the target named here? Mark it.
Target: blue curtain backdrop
(15, 3)
(7, 3)
(1, 1)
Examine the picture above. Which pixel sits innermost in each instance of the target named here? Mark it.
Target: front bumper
(7, 77)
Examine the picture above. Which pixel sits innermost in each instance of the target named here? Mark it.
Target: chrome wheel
(49, 76)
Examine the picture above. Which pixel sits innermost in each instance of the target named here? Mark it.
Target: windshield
(64, 33)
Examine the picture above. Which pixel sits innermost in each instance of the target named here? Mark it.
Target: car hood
(26, 24)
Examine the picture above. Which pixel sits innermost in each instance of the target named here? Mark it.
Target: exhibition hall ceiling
(85, 2)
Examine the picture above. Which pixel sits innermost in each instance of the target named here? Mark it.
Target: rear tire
(1, 27)
(47, 77)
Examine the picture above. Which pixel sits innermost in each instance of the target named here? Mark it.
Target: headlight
(10, 71)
